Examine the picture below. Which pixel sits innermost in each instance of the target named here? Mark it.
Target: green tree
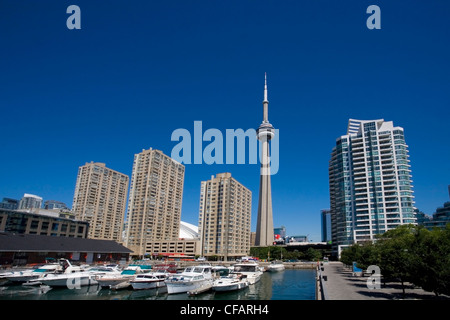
(350, 254)
(271, 252)
(396, 254)
(431, 267)
(312, 254)
(368, 254)
(408, 253)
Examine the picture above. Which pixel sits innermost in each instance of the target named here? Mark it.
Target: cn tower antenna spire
(265, 102)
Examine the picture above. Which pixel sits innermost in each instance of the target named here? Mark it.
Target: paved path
(342, 285)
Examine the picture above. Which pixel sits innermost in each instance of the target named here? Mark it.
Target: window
(34, 224)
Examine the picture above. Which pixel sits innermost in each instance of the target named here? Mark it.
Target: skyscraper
(264, 226)
(370, 182)
(225, 217)
(100, 198)
(325, 224)
(156, 194)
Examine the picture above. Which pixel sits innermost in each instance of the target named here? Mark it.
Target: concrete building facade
(100, 198)
(224, 217)
(22, 222)
(156, 195)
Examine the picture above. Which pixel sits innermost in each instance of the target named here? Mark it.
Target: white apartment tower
(370, 182)
(224, 217)
(100, 198)
(154, 206)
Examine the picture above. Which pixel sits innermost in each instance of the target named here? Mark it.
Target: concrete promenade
(341, 284)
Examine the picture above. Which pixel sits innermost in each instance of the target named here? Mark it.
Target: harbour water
(284, 285)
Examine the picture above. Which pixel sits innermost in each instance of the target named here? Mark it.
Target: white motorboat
(250, 269)
(231, 282)
(275, 267)
(122, 280)
(190, 279)
(30, 274)
(148, 281)
(77, 277)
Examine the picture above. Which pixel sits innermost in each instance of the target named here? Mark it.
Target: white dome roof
(188, 231)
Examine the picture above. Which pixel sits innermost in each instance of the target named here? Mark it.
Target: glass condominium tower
(370, 182)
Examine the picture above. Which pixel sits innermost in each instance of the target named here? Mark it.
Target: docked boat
(77, 277)
(119, 281)
(221, 270)
(190, 279)
(231, 282)
(30, 274)
(250, 269)
(275, 267)
(148, 281)
(164, 270)
(144, 265)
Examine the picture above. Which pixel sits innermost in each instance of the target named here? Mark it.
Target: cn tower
(265, 132)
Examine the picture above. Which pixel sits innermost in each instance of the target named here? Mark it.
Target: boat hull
(70, 282)
(230, 286)
(143, 285)
(251, 271)
(253, 278)
(276, 268)
(23, 278)
(121, 285)
(174, 287)
(110, 282)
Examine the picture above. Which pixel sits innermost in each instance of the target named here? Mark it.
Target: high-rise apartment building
(370, 182)
(224, 217)
(100, 198)
(154, 207)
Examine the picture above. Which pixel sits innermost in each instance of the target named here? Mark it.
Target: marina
(290, 284)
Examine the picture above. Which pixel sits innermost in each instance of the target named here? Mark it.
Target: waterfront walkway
(341, 284)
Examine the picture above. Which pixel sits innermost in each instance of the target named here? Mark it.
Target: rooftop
(36, 243)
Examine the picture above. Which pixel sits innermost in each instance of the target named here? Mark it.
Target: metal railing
(321, 288)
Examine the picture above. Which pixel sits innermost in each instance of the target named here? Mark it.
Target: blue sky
(138, 70)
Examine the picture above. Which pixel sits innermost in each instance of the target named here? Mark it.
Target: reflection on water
(284, 285)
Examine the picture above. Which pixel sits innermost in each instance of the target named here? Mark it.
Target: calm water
(284, 285)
